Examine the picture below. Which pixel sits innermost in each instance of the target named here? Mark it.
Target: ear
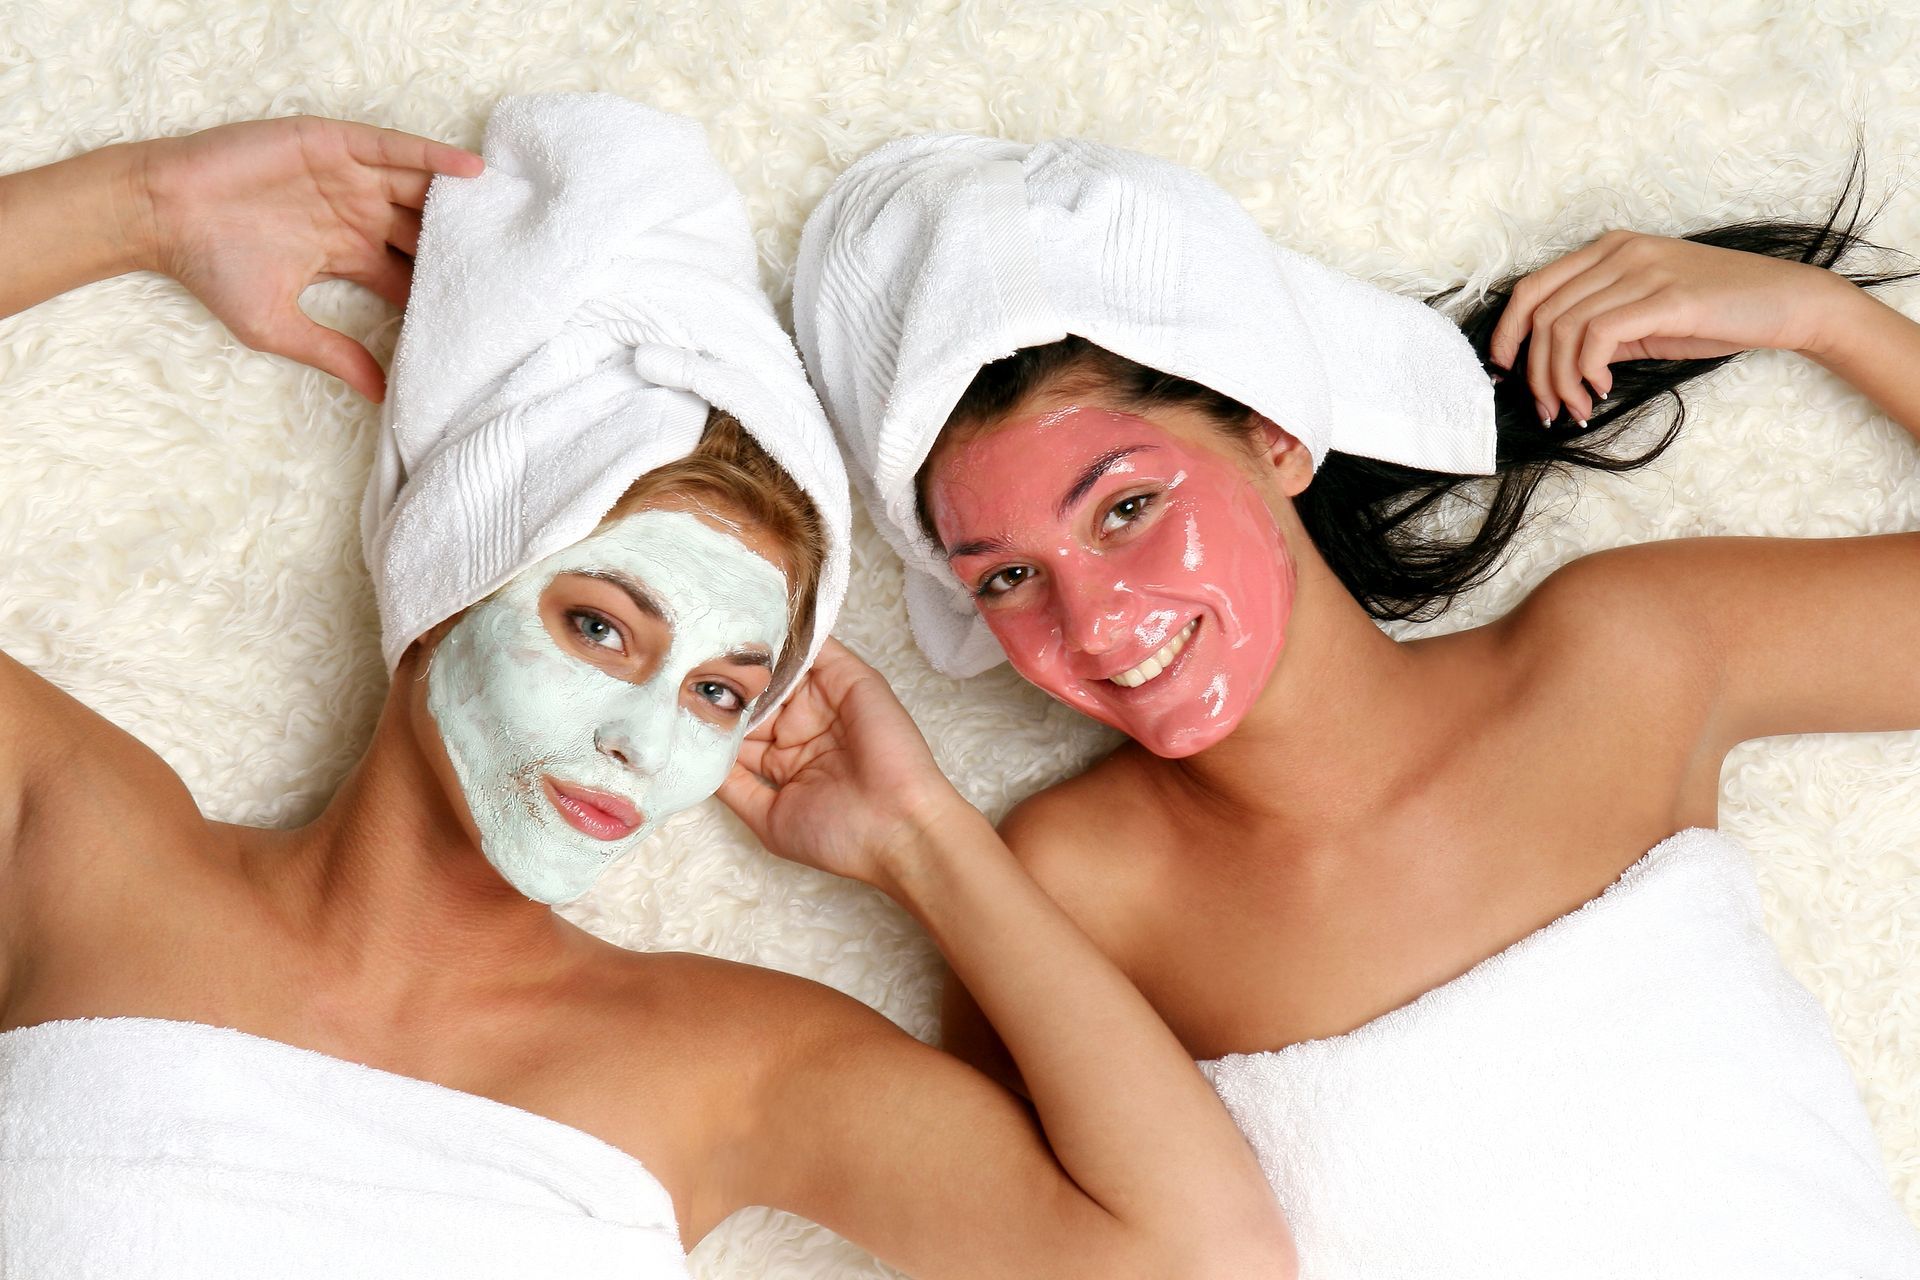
(1292, 464)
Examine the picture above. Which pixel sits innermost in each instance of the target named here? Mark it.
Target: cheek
(1035, 649)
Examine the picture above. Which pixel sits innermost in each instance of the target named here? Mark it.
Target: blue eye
(1126, 512)
(998, 584)
(724, 697)
(596, 629)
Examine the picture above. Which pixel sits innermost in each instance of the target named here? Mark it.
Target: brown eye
(596, 629)
(1005, 580)
(1126, 512)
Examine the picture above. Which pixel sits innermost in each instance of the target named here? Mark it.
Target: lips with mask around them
(600, 814)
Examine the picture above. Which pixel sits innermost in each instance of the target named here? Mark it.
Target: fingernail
(1581, 423)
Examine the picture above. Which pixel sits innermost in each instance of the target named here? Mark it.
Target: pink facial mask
(1131, 574)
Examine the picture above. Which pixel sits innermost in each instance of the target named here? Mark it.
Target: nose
(642, 753)
(1096, 613)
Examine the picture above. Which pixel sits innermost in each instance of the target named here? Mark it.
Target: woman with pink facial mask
(1397, 898)
(367, 1046)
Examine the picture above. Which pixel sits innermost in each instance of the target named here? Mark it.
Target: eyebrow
(979, 547)
(749, 658)
(1091, 476)
(643, 600)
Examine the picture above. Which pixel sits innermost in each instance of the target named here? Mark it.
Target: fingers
(405, 187)
(1587, 338)
(403, 229)
(1554, 341)
(392, 149)
(389, 275)
(1517, 320)
(750, 799)
(329, 351)
(753, 754)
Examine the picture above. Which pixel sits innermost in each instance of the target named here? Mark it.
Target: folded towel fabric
(1639, 1090)
(575, 310)
(132, 1148)
(935, 255)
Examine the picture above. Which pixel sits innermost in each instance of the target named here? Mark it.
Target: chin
(1180, 742)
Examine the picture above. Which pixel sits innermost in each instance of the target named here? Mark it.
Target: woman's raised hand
(841, 778)
(246, 216)
(1629, 296)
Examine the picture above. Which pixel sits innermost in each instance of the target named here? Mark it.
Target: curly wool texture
(177, 515)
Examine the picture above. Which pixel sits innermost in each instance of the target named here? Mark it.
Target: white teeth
(1158, 662)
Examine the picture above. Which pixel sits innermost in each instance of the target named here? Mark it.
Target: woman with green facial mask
(367, 1046)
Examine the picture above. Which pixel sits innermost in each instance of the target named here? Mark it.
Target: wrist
(932, 829)
(1840, 308)
(130, 206)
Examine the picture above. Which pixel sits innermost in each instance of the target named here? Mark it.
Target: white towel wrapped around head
(575, 310)
(935, 255)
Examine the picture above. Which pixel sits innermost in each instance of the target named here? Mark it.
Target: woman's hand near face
(246, 216)
(841, 779)
(1629, 296)
(1141, 1173)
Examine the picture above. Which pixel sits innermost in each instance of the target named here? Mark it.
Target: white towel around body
(1639, 1090)
(139, 1149)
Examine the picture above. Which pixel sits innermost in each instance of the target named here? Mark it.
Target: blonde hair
(729, 466)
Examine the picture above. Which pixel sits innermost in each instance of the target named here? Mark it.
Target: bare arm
(245, 215)
(69, 224)
(1129, 1166)
(1792, 635)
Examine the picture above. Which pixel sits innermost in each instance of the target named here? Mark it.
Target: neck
(1343, 722)
(389, 880)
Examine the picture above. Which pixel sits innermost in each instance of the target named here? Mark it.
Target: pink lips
(600, 814)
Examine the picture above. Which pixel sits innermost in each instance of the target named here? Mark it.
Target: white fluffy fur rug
(177, 516)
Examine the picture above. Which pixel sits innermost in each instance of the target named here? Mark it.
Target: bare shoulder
(1621, 618)
(1614, 665)
(1089, 841)
(702, 1056)
(61, 766)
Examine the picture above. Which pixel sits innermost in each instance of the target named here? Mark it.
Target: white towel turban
(575, 310)
(935, 255)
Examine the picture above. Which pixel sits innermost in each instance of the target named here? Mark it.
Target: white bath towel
(575, 310)
(132, 1148)
(935, 255)
(1639, 1090)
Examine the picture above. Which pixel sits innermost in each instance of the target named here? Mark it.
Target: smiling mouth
(1159, 662)
(600, 814)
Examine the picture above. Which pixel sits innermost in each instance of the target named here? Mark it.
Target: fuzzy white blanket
(177, 516)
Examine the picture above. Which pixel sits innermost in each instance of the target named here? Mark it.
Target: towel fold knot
(576, 311)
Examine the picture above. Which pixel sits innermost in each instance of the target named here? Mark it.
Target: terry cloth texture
(1638, 1091)
(179, 542)
(940, 253)
(575, 311)
(151, 1150)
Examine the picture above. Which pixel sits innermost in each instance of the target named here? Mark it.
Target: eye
(596, 629)
(723, 697)
(1127, 511)
(998, 584)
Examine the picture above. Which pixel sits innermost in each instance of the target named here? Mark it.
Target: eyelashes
(597, 630)
(1130, 510)
(603, 633)
(1121, 516)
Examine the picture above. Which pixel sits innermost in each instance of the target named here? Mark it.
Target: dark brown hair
(1368, 519)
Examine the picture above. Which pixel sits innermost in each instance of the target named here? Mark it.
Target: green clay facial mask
(565, 766)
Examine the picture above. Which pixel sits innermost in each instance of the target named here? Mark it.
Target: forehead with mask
(608, 686)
